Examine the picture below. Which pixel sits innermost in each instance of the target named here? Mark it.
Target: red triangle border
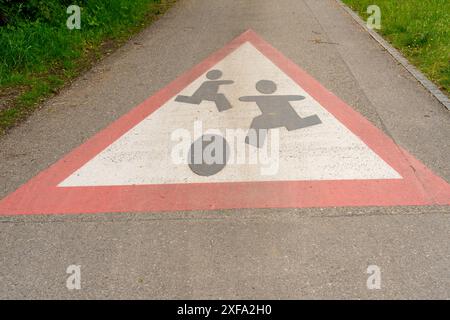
(419, 185)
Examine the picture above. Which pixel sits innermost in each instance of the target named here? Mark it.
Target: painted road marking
(209, 91)
(329, 155)
(142, 155)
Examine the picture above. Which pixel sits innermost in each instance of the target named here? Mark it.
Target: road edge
(419, 76)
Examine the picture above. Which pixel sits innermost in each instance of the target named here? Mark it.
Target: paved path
(242, 253)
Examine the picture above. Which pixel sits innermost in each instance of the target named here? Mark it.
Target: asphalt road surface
(233, 253)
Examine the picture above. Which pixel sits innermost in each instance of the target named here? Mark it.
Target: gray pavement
(270, 253)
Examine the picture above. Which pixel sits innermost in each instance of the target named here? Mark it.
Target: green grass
(39, 54)
(420, 29)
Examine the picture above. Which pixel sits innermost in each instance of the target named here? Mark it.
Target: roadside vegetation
(39, 54)
(420, 29)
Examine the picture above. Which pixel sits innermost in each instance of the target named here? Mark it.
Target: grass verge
(419, 29)
(39, 54)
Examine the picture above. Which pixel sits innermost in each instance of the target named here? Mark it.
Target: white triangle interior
(142, 156)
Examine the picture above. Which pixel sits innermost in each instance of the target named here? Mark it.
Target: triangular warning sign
(286, 142)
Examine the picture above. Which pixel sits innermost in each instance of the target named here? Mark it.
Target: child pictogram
(209, 91)
(276, 112)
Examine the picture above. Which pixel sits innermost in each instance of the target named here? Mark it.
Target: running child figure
(276, 112)
(209, 91)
